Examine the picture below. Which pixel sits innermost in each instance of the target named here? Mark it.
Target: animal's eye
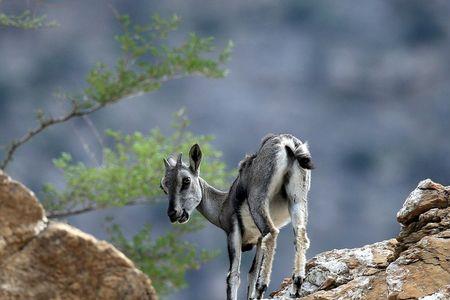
(185, 183)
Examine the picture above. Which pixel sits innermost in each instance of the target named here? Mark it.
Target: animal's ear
(195, 157)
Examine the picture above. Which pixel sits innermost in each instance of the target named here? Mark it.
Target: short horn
(167, 164)
(179, 161)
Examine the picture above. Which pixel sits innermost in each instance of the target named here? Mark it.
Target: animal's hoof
(297, 282)
(260, 289)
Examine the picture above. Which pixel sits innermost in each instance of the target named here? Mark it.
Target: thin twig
(85, 146)
(76, 112)
(94, 130)
(74, 212)
(68, 213)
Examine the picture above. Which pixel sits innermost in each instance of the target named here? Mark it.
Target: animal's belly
(251, 232)
(279, 213)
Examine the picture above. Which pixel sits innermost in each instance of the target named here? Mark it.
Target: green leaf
(132, 169)
(148, 60)
(26, 20)
(165, 258)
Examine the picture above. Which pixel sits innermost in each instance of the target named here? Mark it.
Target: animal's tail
(300, 152)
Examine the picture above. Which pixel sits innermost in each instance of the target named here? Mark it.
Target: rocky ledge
(50, 260)
(414, 265)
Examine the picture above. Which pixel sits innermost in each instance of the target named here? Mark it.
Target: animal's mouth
(184, 217)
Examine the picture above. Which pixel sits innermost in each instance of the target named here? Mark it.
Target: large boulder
(21, 216)
(414, 265)
(51, 260)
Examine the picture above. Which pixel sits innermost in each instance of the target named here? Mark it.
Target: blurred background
(367, 84)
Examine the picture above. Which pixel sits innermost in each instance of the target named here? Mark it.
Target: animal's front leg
(299, 217)
(234, 254)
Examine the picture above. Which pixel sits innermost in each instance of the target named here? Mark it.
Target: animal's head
(181, 183)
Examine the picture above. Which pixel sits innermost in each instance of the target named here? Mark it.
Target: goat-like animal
(269, 192)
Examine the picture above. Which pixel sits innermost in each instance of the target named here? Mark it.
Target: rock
(442, 294)
(21, 216)
(422, 269)
(415, 265)
(345, 272)
(431, 222)
(41, 260)
(427, 195)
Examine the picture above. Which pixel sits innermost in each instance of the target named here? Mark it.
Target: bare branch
(75, 112)
(74, 212)
(68, 213)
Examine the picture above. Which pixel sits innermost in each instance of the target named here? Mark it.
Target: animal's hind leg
(262, 192)
(254, 270)
(297, 189)
(258, 204)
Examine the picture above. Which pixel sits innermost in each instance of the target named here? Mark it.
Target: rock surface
(50, 260)
(414, 265)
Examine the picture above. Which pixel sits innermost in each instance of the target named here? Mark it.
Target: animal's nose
(173, 215)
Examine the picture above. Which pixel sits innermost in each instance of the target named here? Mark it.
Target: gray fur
(270, 191)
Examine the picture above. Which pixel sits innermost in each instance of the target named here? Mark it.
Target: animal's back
(275, 157)
(269, 171)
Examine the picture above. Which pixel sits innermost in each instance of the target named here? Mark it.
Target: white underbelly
(251, 232)
(279, 214)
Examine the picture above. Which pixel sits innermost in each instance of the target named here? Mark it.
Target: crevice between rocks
(7, 258)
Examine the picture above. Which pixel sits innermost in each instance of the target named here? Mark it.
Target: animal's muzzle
(184, 217)
(181, 216)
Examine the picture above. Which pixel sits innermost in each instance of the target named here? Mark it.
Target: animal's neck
(212, 201)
